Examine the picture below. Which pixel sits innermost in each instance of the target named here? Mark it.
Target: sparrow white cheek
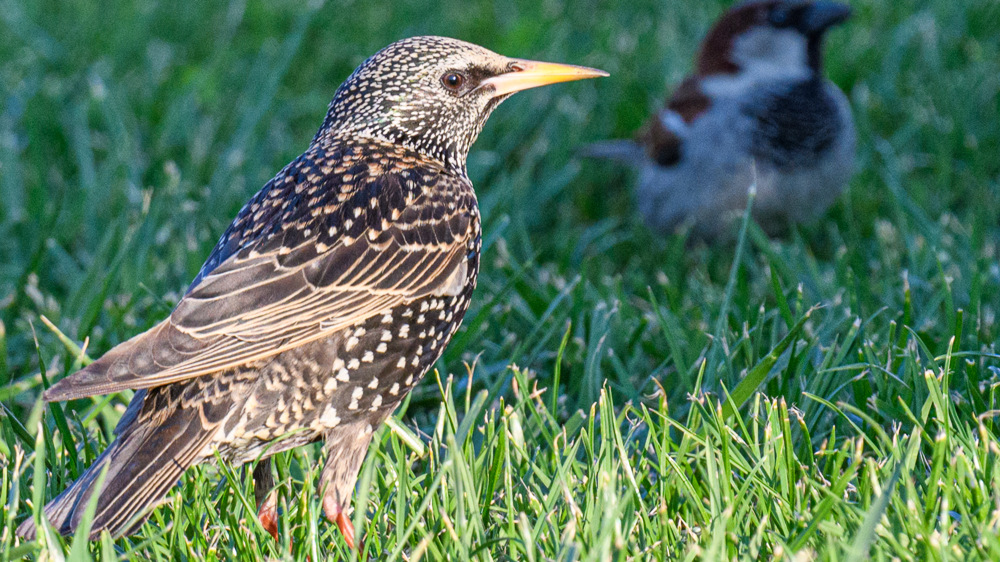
(673, 122)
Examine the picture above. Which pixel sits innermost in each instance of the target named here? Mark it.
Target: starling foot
(336, 514)
(268, 515)
(266, 497)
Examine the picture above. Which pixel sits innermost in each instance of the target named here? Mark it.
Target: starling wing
(298, 270)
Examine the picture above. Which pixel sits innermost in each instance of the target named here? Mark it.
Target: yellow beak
(531, 74)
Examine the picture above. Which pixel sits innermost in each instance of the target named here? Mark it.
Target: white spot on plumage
(355, 396)
(329, 417)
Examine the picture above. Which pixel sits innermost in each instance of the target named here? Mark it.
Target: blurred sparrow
(757, 112)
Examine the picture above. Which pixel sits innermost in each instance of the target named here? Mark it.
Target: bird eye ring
(453, 81)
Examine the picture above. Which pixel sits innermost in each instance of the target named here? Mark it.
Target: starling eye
(453, 81)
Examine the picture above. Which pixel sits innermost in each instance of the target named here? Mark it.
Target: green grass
(581, 413)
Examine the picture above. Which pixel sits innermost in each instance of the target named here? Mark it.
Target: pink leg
(268, 514)
(337, 515)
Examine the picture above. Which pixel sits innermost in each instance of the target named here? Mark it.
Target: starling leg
(336, 514)
(268, 515)
(267, 498)
(346, 447)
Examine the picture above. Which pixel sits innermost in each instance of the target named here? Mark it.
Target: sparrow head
(770, 37)
(434, 94)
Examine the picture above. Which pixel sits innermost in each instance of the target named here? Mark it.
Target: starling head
(434, 94)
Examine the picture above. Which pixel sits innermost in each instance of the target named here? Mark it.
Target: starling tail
(144, 461)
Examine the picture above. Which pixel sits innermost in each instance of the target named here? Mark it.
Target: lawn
(612, 395)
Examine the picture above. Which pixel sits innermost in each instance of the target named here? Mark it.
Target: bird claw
(268, 515)
(346, 528)
(336, 514)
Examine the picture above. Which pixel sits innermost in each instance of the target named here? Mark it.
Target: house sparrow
(757, 112)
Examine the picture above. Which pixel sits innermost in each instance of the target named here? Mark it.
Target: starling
(331, 294)
(756, 112)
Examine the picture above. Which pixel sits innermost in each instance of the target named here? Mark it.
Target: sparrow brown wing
(396, 239)
(661, 142)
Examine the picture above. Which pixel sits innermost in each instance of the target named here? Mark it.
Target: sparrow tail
(623, 150)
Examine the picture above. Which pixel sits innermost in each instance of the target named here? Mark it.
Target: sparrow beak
(820, 16)
(526, 74)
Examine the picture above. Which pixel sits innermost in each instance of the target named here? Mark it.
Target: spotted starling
(333, 291)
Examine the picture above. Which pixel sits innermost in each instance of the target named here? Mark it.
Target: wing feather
(253, 305)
